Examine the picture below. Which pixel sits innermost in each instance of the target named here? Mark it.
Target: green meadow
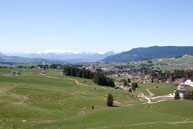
(53, 100)
(184, 62)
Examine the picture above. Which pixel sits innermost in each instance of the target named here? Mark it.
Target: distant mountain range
(56, 56)
(154, 52)
(19, 60)
(136, 54)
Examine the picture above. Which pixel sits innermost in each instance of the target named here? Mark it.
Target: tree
(101, 79)
(188, 95)
(177, 95)
(130, 90)
(125, 82)
(152, 80)
(134, 86)
(129, 81)
(97, 77)
(110, 100)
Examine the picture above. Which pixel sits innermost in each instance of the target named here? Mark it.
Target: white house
(180, 91)
(188, 83)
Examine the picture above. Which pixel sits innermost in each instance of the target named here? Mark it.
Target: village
(125, 76)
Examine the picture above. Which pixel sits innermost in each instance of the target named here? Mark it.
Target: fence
(37, 126)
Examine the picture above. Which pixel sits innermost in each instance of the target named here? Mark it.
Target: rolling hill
(18, 60)
(155, 52)
(57, 101)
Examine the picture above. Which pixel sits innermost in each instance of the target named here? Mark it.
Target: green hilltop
(155, 52)
(184, 62)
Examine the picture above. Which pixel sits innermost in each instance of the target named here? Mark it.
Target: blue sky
(94, 25)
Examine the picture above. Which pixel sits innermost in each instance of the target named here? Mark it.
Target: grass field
(46, 102)
(168, 63)
(163, 88)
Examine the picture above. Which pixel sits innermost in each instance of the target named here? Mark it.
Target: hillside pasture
(41, 98)
(163, 88)
(45, 102)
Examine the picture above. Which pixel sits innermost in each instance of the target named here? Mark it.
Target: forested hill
(154, 52)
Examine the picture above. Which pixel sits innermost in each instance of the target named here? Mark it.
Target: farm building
(187, 83)
(43, 73)
(180, 91)
(119, 87)
(15, 72)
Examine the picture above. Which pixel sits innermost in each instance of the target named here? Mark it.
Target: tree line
(188, 95)
(98, 77)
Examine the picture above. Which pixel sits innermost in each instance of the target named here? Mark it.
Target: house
(43, 73)
(179, 80)
(182, 85)
(180, 91)
(15, 72)
(169, 80)
(187, 83)
(118, 87)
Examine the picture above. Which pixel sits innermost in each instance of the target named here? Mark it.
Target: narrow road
(76, 81)
(72, 79)
(158, 98)
(150, 93)
(148, 123)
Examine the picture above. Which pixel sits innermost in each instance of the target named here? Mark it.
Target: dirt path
(6, 92)
(148, 123)
(150, 93)
(157, 99)
(76, 81)
(152, 100)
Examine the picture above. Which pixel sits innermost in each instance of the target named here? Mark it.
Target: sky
(94, 25)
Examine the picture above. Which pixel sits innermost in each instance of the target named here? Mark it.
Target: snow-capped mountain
(67, 56)
(1, 54)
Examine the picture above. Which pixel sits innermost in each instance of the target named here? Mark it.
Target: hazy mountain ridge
(63, 56)
(20, 60)
(154, 52)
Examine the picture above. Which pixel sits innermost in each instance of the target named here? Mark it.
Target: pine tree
(129, 81)
(152, 80)
(125, 82)
(177, 95)
(110, 100)
(136, 85)
(133, 87)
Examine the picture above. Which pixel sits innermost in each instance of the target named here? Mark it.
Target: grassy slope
(180, 61)
(119, 118)
(59, 101)
(44, 98)
(164, 88)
